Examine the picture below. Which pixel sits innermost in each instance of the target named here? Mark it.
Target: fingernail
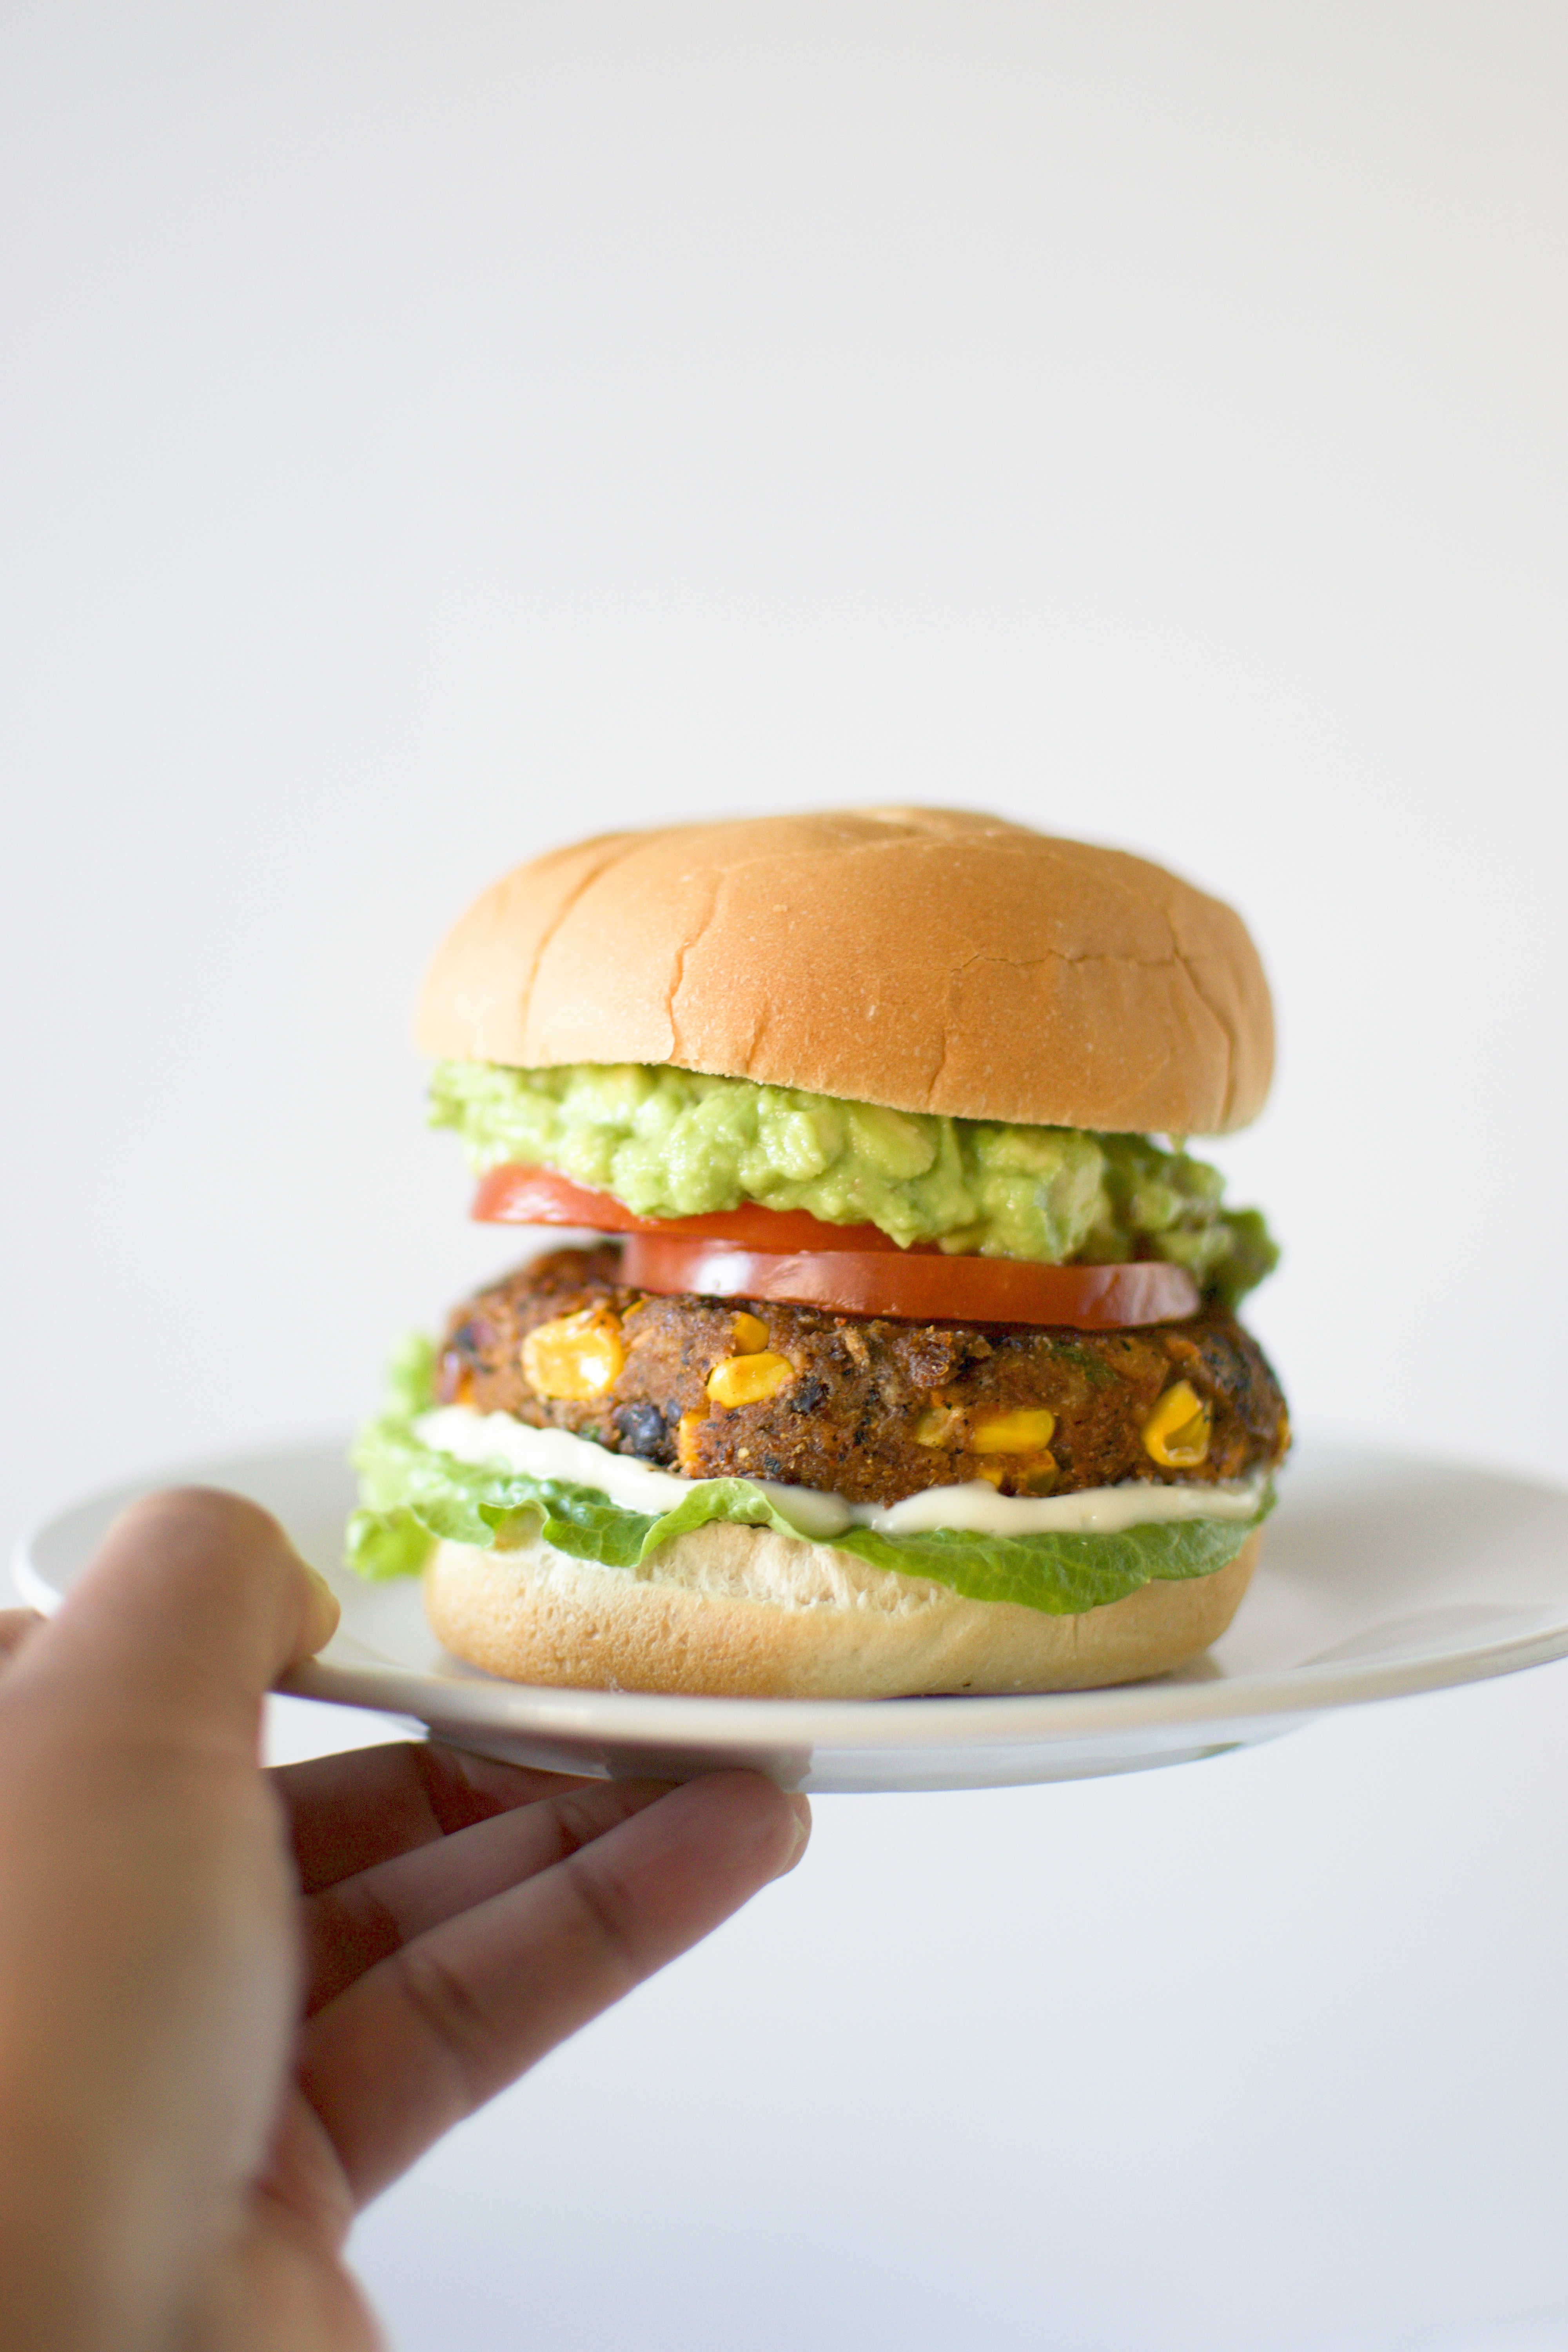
(321, 1616)
(801, 1811)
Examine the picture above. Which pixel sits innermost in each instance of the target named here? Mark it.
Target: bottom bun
(743, 1613)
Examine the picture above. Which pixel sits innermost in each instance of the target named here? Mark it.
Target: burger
(892, 1345)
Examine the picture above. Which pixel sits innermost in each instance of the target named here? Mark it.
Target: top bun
(930, 960)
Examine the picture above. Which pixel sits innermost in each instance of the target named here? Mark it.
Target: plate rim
(1043, 1718)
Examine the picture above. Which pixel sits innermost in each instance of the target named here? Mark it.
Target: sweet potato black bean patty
(857, 1406)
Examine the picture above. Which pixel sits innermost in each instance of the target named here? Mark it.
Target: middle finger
(351, 1926)
(350, 1812)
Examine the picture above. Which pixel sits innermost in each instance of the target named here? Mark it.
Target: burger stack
(893, 1345)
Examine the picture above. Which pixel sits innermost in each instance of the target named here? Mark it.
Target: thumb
(193, 1605)
(147, 1947)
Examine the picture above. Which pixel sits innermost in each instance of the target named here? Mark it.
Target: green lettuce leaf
(415, 1497)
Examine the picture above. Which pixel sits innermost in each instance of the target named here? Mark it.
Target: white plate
(1381, 1576)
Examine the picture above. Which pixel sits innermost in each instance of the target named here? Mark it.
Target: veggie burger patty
(868, 1409)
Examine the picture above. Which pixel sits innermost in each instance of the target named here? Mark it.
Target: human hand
(234, 2004)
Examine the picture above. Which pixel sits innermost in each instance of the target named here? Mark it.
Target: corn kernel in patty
(748, 1380)
(1026, 1431)
(577, 1356)
(1176, 1433)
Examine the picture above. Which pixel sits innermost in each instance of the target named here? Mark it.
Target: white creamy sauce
(975, 1509)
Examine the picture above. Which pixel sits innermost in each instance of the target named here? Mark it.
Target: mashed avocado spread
(670, 1143)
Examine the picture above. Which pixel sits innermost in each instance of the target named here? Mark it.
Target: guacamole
(671, 1143)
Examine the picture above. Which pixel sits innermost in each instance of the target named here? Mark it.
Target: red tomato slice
(800, 1260)
(919, 1286)
(537, 1196)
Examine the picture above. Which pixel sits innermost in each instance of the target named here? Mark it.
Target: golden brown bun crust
(742, 1612)
(925, 959)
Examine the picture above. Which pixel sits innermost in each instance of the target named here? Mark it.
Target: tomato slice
(537, 1196)
(918, 1285)
(798, 1259)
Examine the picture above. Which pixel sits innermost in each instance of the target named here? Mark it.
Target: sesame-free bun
(930, 960)
(743, 1613)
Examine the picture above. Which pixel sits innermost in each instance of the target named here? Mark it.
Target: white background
(432, 432)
